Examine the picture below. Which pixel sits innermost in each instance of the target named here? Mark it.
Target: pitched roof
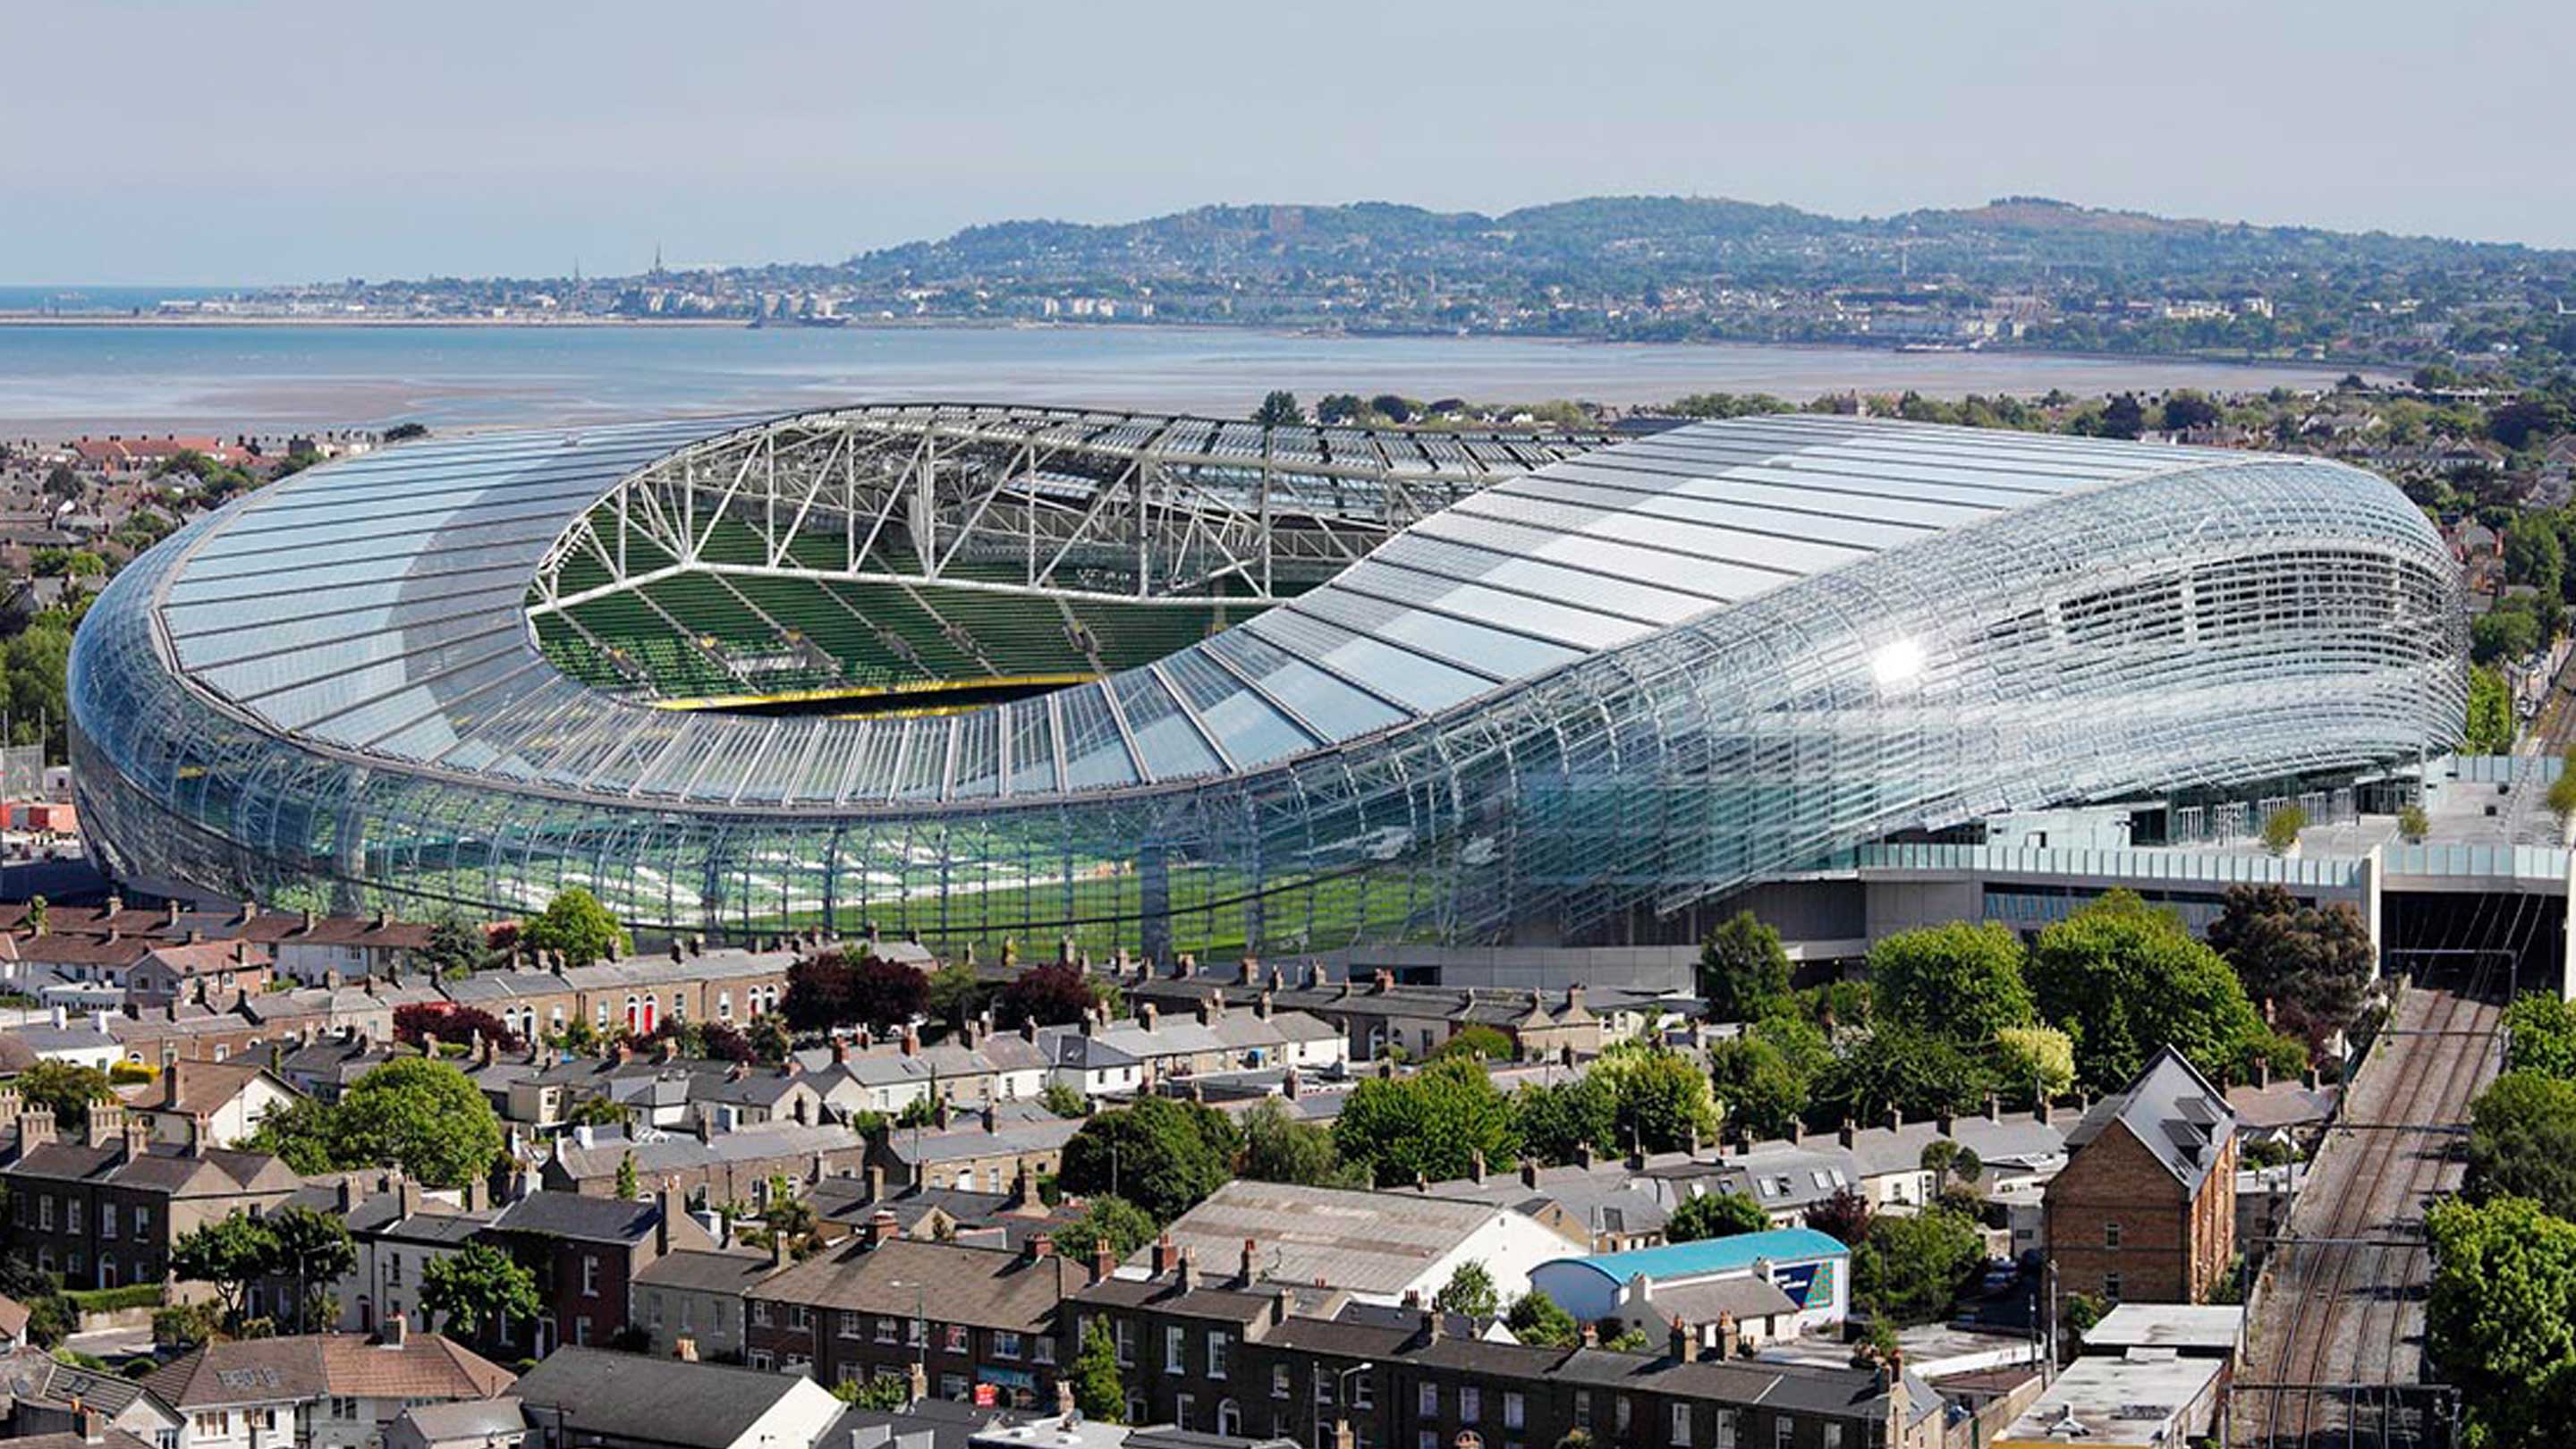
(661, 1153)
(315, 1365)
(483, 1419)
(986, 1287)
(1368, 1242)
(690, 1270)
(202, 1088)
(2177, 1114)
(616, 1396)
(172, 1171)
(572, 1215)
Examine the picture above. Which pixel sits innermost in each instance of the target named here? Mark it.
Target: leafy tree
(1279, 409)
(2534, 555)
(1536, 1319)
(834, 989)
(2522, 1142)
(405, 432)
(1098, 1390)
(2501, 1323)
(2541, 1032)
(65, 1087)
(1715, 1215)
(62, 483)
(421, 1115)
(2491, 726)
(1064, 1101)
(2281, 828)
(182, 1326)
(1335, 408)
(2562, 796)
(955, 992)
(576, 926)
(1470, 1291)
(2413, 824)
(1111, 1222)
(2312, 962)
(882, 1392)
(1913, 1072)
(1431, 1124)
(1959, 981)
(1055, 994)
(452, 1024)
(1758, 1088)
(1743, 969)
(2186, 409)
(1279, 1148)
(1909, 1269)
(2504, 632)
(1659, 1099)
(229, 1253)
(481, 1287)
(1162, 1154)
(1946, 1159)
(314, 1249)
(2122, 980)
(2123, 417)
(768, 1039)
(1845, 1217)
(2040, 1059)
(454, 948)
(596, 1112)
(1557, 1120)
(1477, 1040)
(628, 1189)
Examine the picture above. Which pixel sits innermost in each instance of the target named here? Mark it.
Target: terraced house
(104, 1210)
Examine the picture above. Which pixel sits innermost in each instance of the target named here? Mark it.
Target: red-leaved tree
(451, 1023)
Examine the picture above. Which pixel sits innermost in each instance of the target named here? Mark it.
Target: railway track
(2338, 1338)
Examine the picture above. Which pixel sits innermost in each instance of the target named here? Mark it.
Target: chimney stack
(396, 1330)
(685, 1349)
(1163, 1255)
(1476, 1166)
(1685, 1342)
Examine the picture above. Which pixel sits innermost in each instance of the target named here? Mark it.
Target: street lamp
(1339, 1380)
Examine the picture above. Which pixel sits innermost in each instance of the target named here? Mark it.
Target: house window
(1725, 1430)
(1783, 1434)
(1681, 1423)
(849, 1324)
(107, 1220)
(72, 1215)
(1184, 1409)
(1426, 1439)
(1173, 1338)
(581, 1331)
(2111, 1286)
(1471, 1403)
(1216, 1355)
(724, 1006)
(955, 1336)
(393, 1270)
(1044, 1349)
(800, 1315)
(1363, 1393)
(885, 1330)
(1427, 1401)
(1515, 1411)
(916, 1333)
(1006, 1344)
(1583, 1411)
(45, 1212)
(1279, 1381)
(760, 1358)
(2110, 1235)
(1619, 1408)
(589, 1275)
(849, 1373)
(1833, 1436)
(952, 1386)
(655, 1299)
(1126, 1336)
(142, 1221)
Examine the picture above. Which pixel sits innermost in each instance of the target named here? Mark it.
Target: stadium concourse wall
(2201, 627)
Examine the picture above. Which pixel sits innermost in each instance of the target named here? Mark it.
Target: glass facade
(1626, 678)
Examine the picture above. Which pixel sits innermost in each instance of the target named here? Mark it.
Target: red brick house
(2145, 1209)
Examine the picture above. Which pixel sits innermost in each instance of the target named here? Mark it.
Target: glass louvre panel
(725, 767)
(1032, 748)
(780, 765)
(1319, 699)
(925, 765)
(978, 772)
(1578, 628)
(872, 774)
(830, 765)
(298, 706)
(1860, 494)
(1381, 668)
(1545, 580)
(251, 678)
(669, 773)
(1715, 542)
(1712, 581)
(360, 725)
(486, 715)
(1166, 739)
(1095, 754)
(1252, 731)
(206, 637)
(1490, 651)
(217, 586)
(1778, 518)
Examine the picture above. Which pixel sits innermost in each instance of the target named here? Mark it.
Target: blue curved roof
(1710, 1255)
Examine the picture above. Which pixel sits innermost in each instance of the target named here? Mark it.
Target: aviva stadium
(1170, 683)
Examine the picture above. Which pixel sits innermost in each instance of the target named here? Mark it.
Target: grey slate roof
(588, 1219)
(630, 1396)
(2181, 1118)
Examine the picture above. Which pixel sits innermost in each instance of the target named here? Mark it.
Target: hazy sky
(282, 140)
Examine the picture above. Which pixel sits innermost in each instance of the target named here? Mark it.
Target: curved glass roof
(376, 606)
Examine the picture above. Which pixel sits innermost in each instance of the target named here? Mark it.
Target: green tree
(2281, 828)
(2413, 824)
(2540, 1032)
(1477, 1040)
(1555, 1121)
(2522, 1142)
(481, 1286)
(421, 1115)
(2491, 726)
(1715, 1215)
(2562, 796)
(627, 1187)
(2534, 554)
(1098, 1391)
(1110, 1222)
(1743, 969)
(1909, 1269)
(1162, 1154)
(1536, 1319)
(1279, 409)
(2501, 1322)
(1470, 1291)
(2312, 962)
(454, 949)
(65, 1087)
(2504, 632)
(1277, 1147)
(1064, 1101)
(1758, 1089)
(229, 1253)
(1946, 1159)
(882, 1392)
(576, 926)
(312, 1248)
(2038, 1059)
(1912, 1072)
(1959, 981)
(2122, 980)
(1659, 1099)
(1431, 1124)
(955, 992)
